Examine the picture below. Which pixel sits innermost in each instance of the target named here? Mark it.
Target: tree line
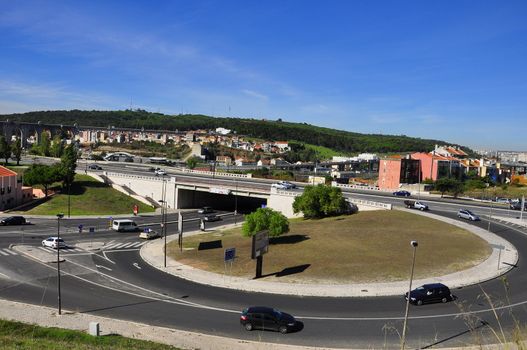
(343, 141)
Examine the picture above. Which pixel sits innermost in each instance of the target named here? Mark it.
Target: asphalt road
(117, 283)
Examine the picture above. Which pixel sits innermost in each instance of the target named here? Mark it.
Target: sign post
(228, 257)
(260, 246)
(180, 230)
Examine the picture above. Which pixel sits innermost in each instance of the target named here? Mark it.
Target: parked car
(467, 214)
(148, 233)
(266, 318)
(205, 210)
(402, 193)
(94, 167)
(160, 172)
(14, 220)
(212, 217)
(54, 242)
(430, 293)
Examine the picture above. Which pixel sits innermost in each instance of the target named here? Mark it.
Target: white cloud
(255, 94)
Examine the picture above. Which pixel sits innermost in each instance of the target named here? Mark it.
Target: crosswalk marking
(111, 245)
(10, 252)
(3, 253)
(125, 245)
(137, 245)
(128, 245)
(120, 245)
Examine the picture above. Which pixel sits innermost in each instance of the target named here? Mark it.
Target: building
(397, 170)
(11, 192)
(434, 166)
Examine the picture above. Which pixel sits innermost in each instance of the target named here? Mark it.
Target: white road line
(121, 245)
(11, 252)
(110, 245)
(128, 245)
(3, 253)
(103, 267)
(137, 245)
(137, 266)
(45, 249)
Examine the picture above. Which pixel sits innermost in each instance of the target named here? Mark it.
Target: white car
(467, 214)
(283, 185)
(160, 172)
(54, 242)
(148, 233)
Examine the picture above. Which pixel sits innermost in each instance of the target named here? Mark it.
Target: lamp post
(163, 202)
(59, 216)
(235, 201)
(69, 199)
(403, 339)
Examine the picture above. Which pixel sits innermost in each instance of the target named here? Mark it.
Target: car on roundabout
(430, 293)
(467, 214)
(267, 318)
(14, 220)
(148, 233)
(160, 172)
(54, 242)
(94, 167)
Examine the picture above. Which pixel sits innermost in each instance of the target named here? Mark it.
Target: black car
(267, 318)
(94, 167)
(517, 206)
(430, 293)
(14, 220)
(402, 193)
(211, 217)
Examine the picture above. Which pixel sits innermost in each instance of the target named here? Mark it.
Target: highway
(118, 283)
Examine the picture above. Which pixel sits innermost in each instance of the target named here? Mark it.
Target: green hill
(338, 140)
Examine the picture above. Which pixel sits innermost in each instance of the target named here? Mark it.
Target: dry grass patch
(366, 247)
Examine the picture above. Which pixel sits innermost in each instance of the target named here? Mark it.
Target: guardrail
(368, 203)
(212, 173)
(357, 187)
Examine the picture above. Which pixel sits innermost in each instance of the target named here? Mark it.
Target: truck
(415, 205)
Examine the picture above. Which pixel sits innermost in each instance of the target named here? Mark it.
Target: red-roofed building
(450, 151)
(434, 166)
(396, 170)
(11, 192)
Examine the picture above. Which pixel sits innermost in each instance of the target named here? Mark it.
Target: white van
(124, 225)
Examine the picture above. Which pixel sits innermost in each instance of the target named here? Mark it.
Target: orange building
(397, 170)
(11, 192)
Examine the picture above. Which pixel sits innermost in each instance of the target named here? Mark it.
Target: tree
(5, 149)
(192, 162)
(16, 149)
(44, 144)
(44, 175)
(57, 148)
(68, 164)
(265, 219)
(320, 201)
(447, 184)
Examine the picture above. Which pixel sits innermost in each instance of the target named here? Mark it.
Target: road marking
(120, 245)
(137, 266)
(104, 253)
(111, 245)
(3, 253)
(103, 267)
(128, 245)
(137, 245)
(11, 252)
(6, 276)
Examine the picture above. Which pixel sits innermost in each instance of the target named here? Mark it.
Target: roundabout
(118, 286)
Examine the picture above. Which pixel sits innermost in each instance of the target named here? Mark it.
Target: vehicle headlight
(412, 298)
(291, 324)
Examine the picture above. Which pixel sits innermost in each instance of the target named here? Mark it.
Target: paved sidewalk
(503, 258)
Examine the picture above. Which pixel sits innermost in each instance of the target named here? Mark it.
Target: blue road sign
(230, 253)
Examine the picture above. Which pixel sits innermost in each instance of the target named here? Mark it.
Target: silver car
(467, 214)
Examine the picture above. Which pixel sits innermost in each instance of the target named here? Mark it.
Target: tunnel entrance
(189, 199)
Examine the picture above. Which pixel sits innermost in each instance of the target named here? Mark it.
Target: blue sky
(450, 70)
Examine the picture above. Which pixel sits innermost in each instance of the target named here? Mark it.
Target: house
(283, 146)
(434, 166)
(449, 151)
(278, 162)
(11, 192)
(396, 170)
(224, 160)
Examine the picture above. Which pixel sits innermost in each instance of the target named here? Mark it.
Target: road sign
(260, 244)
(230, 253)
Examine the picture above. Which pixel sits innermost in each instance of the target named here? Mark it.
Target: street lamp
(163, 202)
(235, 201)
(59, 216)
(403, 340)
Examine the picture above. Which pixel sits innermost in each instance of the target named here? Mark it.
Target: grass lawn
(89, 197)
(17, 335)
(365, 247)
